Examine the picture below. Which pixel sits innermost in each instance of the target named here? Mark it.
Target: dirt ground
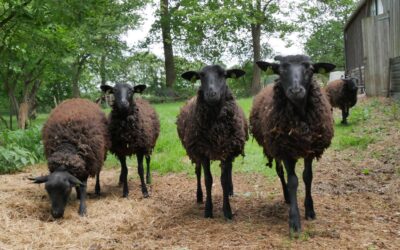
(355, 209)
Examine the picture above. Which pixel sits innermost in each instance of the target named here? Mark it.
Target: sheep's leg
(141, 174)
(344, 114)
(208, 213)
(124, 176)
(307, 178)
(281, 174)
(230, 183)
(148, 175)
(97, 186)
(82, 204)
(199, 193)
(78, 193)
(294, 216)
(225, 182)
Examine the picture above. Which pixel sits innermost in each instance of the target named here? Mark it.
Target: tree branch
(13, 14)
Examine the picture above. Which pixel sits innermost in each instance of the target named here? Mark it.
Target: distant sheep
(291, 119)
(342, 94)
(75, 142)
(134, 128)
(212, 126)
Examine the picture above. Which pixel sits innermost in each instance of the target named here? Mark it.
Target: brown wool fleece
(135, 132)
(215, 133)
(282, 133)
(75, 137)
(338, 96)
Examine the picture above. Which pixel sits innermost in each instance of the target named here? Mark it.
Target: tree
(325, 20)
(214, 28)
(165, 20)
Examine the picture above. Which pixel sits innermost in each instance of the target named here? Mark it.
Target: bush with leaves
(19, 149)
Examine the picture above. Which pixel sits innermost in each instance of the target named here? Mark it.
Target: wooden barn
(372, 46)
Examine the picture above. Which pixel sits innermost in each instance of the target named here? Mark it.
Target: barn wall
(395, 77)
(354, 41)
(376, 54)
(394, 28)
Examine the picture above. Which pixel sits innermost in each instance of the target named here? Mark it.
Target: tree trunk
(256, 36)
(167, 42)
(103, 69)
(78, 68)
(23, 115)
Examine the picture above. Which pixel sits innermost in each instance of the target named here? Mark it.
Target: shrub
(20, 148)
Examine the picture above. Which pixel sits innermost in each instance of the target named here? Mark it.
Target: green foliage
(19, 149)
(324, 21)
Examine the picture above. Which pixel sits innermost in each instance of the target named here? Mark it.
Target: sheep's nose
(295, 91)
(212, 93)
(57, 214)
(125, 103)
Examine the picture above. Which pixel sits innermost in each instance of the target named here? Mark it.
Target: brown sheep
(211, 126)
(76, 141)
(134, 128)
(342, 94)
(291, 119)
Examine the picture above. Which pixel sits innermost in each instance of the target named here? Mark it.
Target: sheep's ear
(234, 73)
(322, 68)
(139, 88)
(39, 179)
(191, 76)
(271, 68)
(74, 181)
(107, 88)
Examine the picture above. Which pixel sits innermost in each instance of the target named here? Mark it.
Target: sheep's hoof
(199, 197)
(310, 215)
(148, 180)
(294, 226)
(82, 211)
(231, 193)
(125, 194)
(228, 215)
(208, 214)
(145, 195)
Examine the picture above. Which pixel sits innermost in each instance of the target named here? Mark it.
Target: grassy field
(355, 192)
(169, 155)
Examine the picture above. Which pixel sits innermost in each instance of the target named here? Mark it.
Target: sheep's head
(295, 73)
(58, 186)
(213, 81)
(350, 85)
(123, 94)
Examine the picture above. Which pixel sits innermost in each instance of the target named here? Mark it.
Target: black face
(295, 73)
(123, 94)
(213, 81)
(351, 85)
(58, 186)
(296, 79)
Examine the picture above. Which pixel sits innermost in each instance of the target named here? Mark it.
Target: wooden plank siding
(395, 77)
(375, 31)
(354, 53)
(394, 28)
(370, 43)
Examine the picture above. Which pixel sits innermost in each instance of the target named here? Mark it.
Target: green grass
(169, 156)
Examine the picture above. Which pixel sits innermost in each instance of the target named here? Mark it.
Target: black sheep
(292, 119)
(212, 126)
(134, 128)
(342, 94)
(75, 141)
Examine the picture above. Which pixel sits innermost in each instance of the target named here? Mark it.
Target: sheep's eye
(202, 74)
